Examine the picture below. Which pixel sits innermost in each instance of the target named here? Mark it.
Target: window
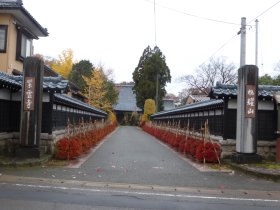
(3, 38)
(24, 45)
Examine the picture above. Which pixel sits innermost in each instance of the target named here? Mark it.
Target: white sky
(115, 32)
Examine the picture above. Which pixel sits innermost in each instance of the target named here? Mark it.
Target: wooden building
(61, 98)
(126, 103)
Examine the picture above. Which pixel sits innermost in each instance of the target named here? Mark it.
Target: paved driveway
(130, 155)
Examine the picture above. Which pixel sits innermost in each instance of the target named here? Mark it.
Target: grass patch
(270, 165)
(219, 166)
(56, 163)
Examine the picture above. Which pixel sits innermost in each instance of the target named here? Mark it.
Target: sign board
(250, 100)
(29, 92)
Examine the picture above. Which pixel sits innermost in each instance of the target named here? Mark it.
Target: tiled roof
(10, 3)
(8, 81)
(16, 8)
(55, 84)
(126, 100)
(221, 90)
(198, 98)
(64, 99)
(191, 107)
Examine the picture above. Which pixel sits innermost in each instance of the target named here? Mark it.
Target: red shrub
(211, 152)
(76, 145)
(68, 149)
(193, 146)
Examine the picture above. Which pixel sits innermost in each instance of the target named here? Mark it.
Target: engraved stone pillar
(247, 108)
(31, 108)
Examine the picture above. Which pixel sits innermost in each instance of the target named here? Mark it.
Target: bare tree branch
(206, 76)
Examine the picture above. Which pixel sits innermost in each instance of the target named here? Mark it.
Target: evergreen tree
(80, 69)
(152, 65)
(266, 80)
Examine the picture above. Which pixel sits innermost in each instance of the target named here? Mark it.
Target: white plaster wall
(262, 105)
(232, 104)
(265, 105)
(46, 97)
(4, 94)
(17, 97)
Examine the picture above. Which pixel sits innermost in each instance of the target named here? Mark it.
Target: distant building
(196, 98)
(168, 104)
(126, 103)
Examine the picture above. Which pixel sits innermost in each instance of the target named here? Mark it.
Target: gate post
(31, 108)
(247, 110)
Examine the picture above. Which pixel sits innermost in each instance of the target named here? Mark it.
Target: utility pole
(257, 44)
(155, 27)
(242, 33)
(157, 93)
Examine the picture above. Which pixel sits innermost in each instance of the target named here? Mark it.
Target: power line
(226, 43)
(221, 47)
(192, 15)
(265, 11)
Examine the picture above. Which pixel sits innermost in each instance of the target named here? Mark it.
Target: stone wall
(267, 149)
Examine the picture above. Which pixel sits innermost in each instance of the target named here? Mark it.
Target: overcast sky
(114, 33)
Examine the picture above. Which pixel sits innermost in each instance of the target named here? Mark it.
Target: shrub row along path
(132, 156)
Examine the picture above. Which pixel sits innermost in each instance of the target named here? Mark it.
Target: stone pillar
(31, 108)
(247, 109)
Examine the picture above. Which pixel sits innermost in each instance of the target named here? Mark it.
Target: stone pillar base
(28, 152)
(242, 158)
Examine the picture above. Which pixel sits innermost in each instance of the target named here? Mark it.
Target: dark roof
(24, 18)
(10, 3)
(53, 84)
(126, 100)
(191, 107)
(9, 82)
(48, 72)
(64, 99)
(222, 90)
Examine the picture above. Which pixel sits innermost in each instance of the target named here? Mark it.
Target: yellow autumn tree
(64, 64)
(112, 117)
(96, 90)
(149, 107)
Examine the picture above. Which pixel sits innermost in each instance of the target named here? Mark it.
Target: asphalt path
(131, 169)
(43, 197)
(132, 156)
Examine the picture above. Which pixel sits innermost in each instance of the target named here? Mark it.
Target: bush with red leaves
(68, 149)
(209, 151)
(72, 148)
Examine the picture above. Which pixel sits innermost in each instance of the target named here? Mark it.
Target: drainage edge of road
(255, 173)
(107, 186)
(14, 162)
